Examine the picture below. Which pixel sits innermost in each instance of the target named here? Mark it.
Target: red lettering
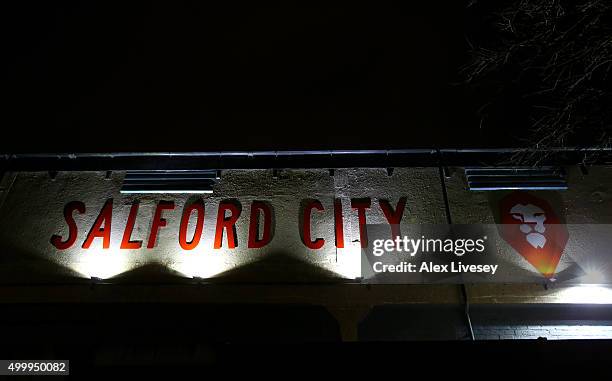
(307, 236)
(394, 217)
(158, 221)
(56, 240)
(227, 223)
(361, 205)
(339, 224)
(254, 241)
(126, 242)
(101, 227)
(198, 207)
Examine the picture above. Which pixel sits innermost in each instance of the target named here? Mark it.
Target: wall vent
(175, 181)
(515, 178)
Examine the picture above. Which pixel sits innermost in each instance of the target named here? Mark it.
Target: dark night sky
(192, 76)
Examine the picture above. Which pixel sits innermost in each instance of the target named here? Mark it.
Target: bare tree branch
(560, 54)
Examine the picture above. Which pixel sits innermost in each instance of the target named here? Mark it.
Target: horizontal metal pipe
(289, 159)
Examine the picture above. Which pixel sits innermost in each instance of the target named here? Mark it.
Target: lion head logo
(534, 230)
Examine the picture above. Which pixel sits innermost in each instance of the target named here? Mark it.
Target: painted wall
(32, 204)
(33, 211)
(585, 208)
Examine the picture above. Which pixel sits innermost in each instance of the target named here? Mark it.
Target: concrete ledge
(329, 295)
(341, 295)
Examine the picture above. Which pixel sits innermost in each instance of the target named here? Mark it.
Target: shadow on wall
(154, 333)
(414, 323)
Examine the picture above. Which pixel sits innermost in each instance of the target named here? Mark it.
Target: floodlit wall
(32, 213)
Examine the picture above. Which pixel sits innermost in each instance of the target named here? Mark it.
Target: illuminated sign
(261, 217)
(80, 224)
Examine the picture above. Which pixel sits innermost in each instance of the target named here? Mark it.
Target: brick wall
(566, 331)
(489, 322)
(553, 322)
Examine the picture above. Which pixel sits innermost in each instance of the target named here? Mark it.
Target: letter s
(56, 240)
